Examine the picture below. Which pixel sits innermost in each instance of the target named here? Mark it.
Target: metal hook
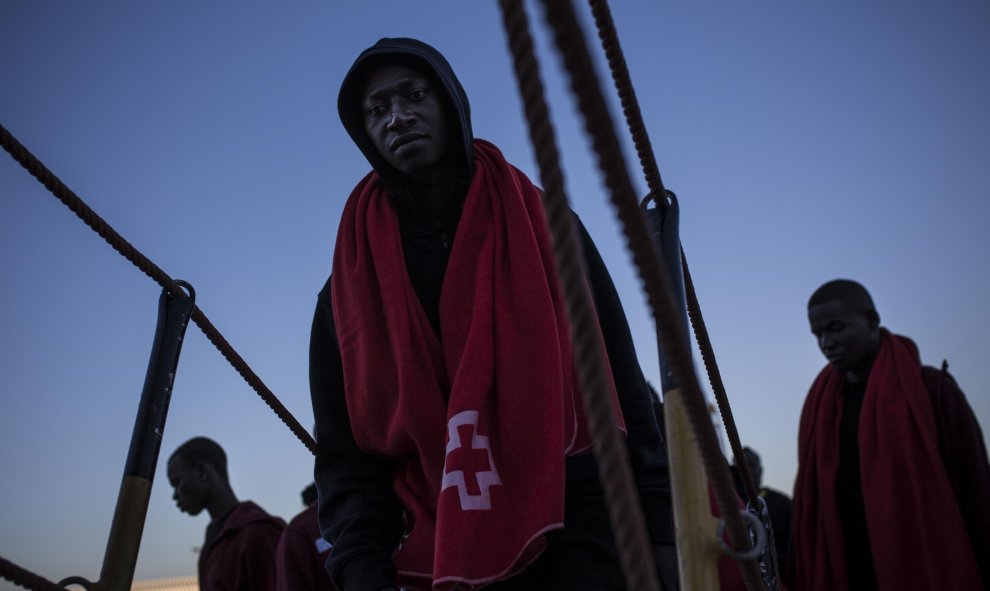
(755, 530)
(670, 198)
(190, 292)
(82, 582)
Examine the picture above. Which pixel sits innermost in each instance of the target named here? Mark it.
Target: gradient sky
(806, 141)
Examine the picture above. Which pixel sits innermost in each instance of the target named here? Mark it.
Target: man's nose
(826, 341)
(398, 117)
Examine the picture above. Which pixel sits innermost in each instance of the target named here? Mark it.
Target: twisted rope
(715, 379)
(627, 96)
(641, 139)
(64, 194)
(25, 578)
(674, 343)
(626, 514)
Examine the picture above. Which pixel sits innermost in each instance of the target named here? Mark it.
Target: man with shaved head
(893, 484)
(238, 552)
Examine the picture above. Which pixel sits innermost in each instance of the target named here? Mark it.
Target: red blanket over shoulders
(481, 417)
(917, 534)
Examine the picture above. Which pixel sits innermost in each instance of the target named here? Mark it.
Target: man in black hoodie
(452, 451)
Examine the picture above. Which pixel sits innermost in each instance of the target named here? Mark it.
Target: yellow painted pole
(697, 545)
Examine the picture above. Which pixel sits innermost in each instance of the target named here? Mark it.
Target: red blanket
(481, 418)
(917, 534)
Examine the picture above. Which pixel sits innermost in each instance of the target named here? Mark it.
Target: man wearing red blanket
(893, 485)
(452, 450)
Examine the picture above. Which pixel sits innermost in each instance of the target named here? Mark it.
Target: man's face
(405, 118)
(755, 468)
(849, 338)
(189, 481)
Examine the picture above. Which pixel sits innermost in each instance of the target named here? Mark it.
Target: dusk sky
(806, 141)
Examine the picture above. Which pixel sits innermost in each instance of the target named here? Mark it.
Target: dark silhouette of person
(893, 481)
(302, 551)
(239, 549)
(453, 448)
(778, 506)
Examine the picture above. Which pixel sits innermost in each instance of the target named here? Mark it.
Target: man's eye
(417, 95)
(376, 110)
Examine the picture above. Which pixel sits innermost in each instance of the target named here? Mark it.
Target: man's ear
(873, 318)
(203, 470)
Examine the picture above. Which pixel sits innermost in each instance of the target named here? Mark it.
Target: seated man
(453, 450)
(239, 549)
(893, 482)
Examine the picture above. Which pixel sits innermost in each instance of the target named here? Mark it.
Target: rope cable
(25, 578)
(585, 86)
(69, 198)
(627, 96)
(625, 511)
(715, 379)
(609, 38)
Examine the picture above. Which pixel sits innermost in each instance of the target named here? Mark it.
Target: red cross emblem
(469, 464)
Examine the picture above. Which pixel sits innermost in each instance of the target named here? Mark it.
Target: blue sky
(806, 141)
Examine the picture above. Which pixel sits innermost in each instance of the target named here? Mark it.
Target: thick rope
(674, 342)
(628, 523)
(627, 96)
(64, 194)
(641, 139)
(25, 578)
(715, 379)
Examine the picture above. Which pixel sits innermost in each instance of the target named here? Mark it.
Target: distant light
(169, 584)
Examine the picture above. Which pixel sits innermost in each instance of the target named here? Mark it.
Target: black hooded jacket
(358, 510)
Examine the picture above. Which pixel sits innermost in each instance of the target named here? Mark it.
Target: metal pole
(697, 548)
(127, 527)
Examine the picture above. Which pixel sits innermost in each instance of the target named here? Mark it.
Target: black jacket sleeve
(358, 511)
(641, 409)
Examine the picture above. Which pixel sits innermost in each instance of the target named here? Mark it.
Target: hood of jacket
(425, 58)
